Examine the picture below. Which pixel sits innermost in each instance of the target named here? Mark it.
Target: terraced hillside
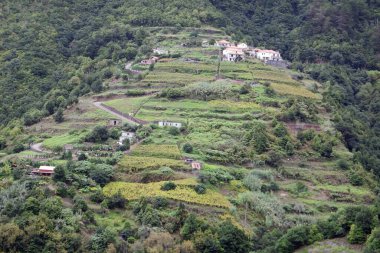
(270, 159)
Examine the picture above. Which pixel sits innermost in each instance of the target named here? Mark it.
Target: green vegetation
(266, 159)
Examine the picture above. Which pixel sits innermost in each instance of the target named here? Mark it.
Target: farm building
(205, 43)
(160, 51)
(242, 46)
(196, 165)
(114, 122)
(169, 124)
(268, 55)
(126, 135)
(233, 54)
(223, 43)
(44, 171)
(68, 147)
(150, 61)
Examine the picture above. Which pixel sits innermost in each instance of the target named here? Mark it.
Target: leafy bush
(214, 176)
(200, 189)
(173, 131)
(98, 134)
(168, 186)
(187, 148)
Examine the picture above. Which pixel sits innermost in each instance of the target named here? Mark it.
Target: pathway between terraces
(120, 115)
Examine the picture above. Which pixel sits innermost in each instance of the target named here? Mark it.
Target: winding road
(115, 113)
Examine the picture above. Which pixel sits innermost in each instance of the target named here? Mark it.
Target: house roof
(223, 41)
(233, 50)
(46, 168)
(268, 51)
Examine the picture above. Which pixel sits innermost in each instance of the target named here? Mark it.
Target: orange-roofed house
(44, 171)
(233, 54)
(223, 43)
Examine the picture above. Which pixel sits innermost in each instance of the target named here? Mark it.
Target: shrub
(98, 134)
(97, 197)
(274, 159)
(200, 189)
(343, 164)
(252, 182)
(215, 176)
(356, 235)
(174, 131)
(116, 201)
(168, 186)
(372, 244)
(187, 148)
(355, 179)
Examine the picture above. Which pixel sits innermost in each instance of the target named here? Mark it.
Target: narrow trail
(37, 147)
(119, 114)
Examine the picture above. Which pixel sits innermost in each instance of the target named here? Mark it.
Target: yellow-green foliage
(294, 90)
(132, 164)
(163, 151)
(183, 192)
(177, 78)
(234, 106)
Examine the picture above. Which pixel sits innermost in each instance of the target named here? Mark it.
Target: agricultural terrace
(161, 151)
(183, 192)
(61, 140)
(132, 164)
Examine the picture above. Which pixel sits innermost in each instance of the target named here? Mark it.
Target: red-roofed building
(44, 171)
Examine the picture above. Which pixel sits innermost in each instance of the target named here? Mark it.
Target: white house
(242, 46)
(170, 124)
(268, 55)
(160, 51)
(205, 43)
(223, 43)
(126, 135)
(233, 54)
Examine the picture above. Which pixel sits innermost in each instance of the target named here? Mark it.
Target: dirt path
(37, 147)
(120, 115)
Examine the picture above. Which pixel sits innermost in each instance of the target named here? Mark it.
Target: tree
(59, 174)
(372, 244)
(10, 236)
(187, 147)
(191, 226)
(232, 239)
(98, 134)
(102, 174)
(356, 235)
(207, 242)
(58, 117)
(80, 204)
(3, 143)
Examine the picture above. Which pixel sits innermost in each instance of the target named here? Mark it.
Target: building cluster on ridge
(237, 52)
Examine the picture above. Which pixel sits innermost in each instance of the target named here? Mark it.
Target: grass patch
(61, 140)
(183, 192)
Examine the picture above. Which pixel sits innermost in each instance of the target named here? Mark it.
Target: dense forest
(334, 42)
(54, 53)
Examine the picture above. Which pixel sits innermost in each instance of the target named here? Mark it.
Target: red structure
(44, 171)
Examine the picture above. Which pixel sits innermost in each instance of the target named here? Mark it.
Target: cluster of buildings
(238, 52)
